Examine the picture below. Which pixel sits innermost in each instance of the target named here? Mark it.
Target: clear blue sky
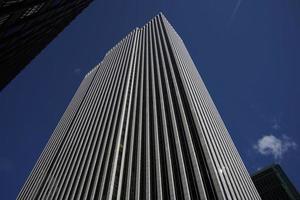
(247, 51)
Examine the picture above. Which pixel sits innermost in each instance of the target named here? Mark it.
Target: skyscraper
(273, 184)
(141, 126)
(27, 26)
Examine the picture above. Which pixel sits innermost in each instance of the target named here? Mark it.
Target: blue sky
(247, 51)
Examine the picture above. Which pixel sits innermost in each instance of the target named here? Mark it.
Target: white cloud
(276, 124)
(235, 10)
(271, 145)
(259, 168)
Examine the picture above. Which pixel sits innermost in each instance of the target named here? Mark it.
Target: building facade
(27, 26)
(273, 184)
(141, 126)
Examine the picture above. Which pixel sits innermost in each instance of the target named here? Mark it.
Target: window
(32, 10)
(3, 19)
(11, 2)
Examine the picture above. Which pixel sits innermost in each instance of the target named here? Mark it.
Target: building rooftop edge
(122, 40)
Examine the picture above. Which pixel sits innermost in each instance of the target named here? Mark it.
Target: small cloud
(271, 145)
(275, 124)
(235, 10)
(77, 70)
(259, 168)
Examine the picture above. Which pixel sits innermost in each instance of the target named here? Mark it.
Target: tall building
(27, 26)
(273, 184)
(141, 126)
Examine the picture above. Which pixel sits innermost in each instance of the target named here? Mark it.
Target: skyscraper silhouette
(273, 184)
(27, 27)
(141, 126)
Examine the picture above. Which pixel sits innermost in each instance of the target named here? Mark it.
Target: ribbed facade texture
(273, 184)
(27, 26)
(141, 126)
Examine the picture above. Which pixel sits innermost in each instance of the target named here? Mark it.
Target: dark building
(141, 126)
(27, 26)
(273, 184)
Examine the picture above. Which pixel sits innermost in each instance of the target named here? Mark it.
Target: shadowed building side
(273, 184)
(27, 26)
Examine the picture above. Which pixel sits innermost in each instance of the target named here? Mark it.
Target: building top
(271, 182)
(120, 42)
